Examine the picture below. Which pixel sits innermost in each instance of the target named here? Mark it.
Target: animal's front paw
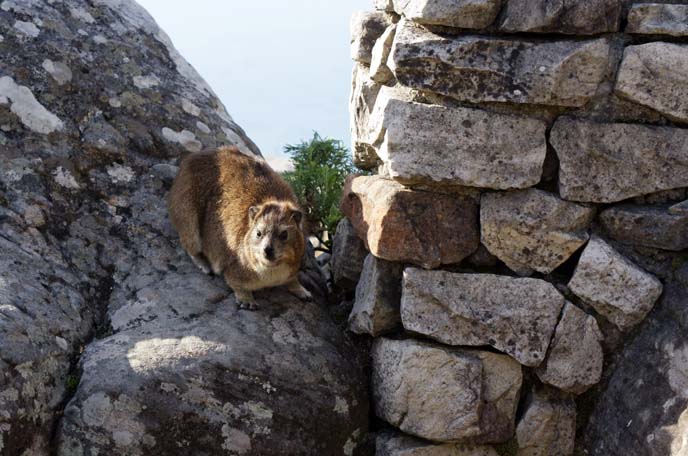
(301, 293)
(247, 305)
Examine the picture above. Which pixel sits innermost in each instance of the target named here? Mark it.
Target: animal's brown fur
(230, 211)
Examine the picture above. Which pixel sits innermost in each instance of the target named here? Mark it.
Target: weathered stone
(575, 358)
(366, 28)
(398, 224)
(432, 144)
(390, 444)
(643, 408)
(364, 92)
(481, 69)
(679, 208)
(615, 287)
(379, 71)
(655, 75)
(620, 160)
(514, 315)
(348, 254)
(548, 426)
(384, 5)
(378, 294)
(532, 229)
(444, 394)
(576, 17)
(470, 14)
(651, 226)
(658, 19)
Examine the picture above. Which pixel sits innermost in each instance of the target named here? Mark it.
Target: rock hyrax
(238, 218)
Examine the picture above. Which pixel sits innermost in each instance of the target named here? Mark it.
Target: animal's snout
(269, 252)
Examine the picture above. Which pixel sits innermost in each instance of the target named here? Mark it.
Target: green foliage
(72, 383)
(320, 167)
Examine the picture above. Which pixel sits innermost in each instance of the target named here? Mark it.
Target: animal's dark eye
(283, 236)
(259, 234)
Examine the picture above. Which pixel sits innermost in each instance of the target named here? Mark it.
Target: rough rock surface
(532, 229)
(391, 444)
(444, 394)
(651, 226)
(514, 315)
(658, 19)
(398, 224)
(364, 92)
(654, 75)
(548, 425)
(679, 208)
(379, 71)
(96, 108)
(348, 254)
(432, 144)
(378, 295)
(643, 408)
(470, 14)
(575, 357)
(581, 17)
(613, 285)
(487, 69)
(621, 160)
(366, 28)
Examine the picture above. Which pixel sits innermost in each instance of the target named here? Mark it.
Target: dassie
(238, 218)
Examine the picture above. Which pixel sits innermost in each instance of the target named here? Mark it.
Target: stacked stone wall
(524, 216)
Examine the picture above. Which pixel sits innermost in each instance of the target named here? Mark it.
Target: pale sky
(281, 67)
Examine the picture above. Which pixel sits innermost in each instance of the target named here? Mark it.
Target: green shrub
(320, 167)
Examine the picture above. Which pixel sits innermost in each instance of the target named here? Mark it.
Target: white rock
(146, 82)
(575, 357)
(379, 71)
(548, 426)
(514, 315)
(366, 28)
(184, 137)
(432, 144)
(31, 113)
(655, 75)
(532, 229)
(58, 70)
(615, 287)
(472, 14)
(27, 28)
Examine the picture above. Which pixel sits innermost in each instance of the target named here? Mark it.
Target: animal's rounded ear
(253, 212)
(297, 216)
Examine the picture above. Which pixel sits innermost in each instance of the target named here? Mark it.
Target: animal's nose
(269, 252)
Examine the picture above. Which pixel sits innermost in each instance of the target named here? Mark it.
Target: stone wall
(526, 282)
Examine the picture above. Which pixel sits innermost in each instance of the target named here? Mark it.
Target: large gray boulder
(577, 17)
(487, 69)
(643, 408)
(96, 109)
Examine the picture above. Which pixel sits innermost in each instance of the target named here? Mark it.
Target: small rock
(658, 19)
(608, 162)
(576, 17)
(379, 71)
(482, 69)
(364, 92)
(548, 426)
(384, 5)
(654, 75)
(615, 287)
(398, 224)
(471, 14)
(366, 28)
(394, 444)
(443, 394)
(532, 229)
(514, 315)
(650, 226)
(437, 145)
(165, 171)
(679, 208)
(378, 294)
(575, 358)
(348, 254)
